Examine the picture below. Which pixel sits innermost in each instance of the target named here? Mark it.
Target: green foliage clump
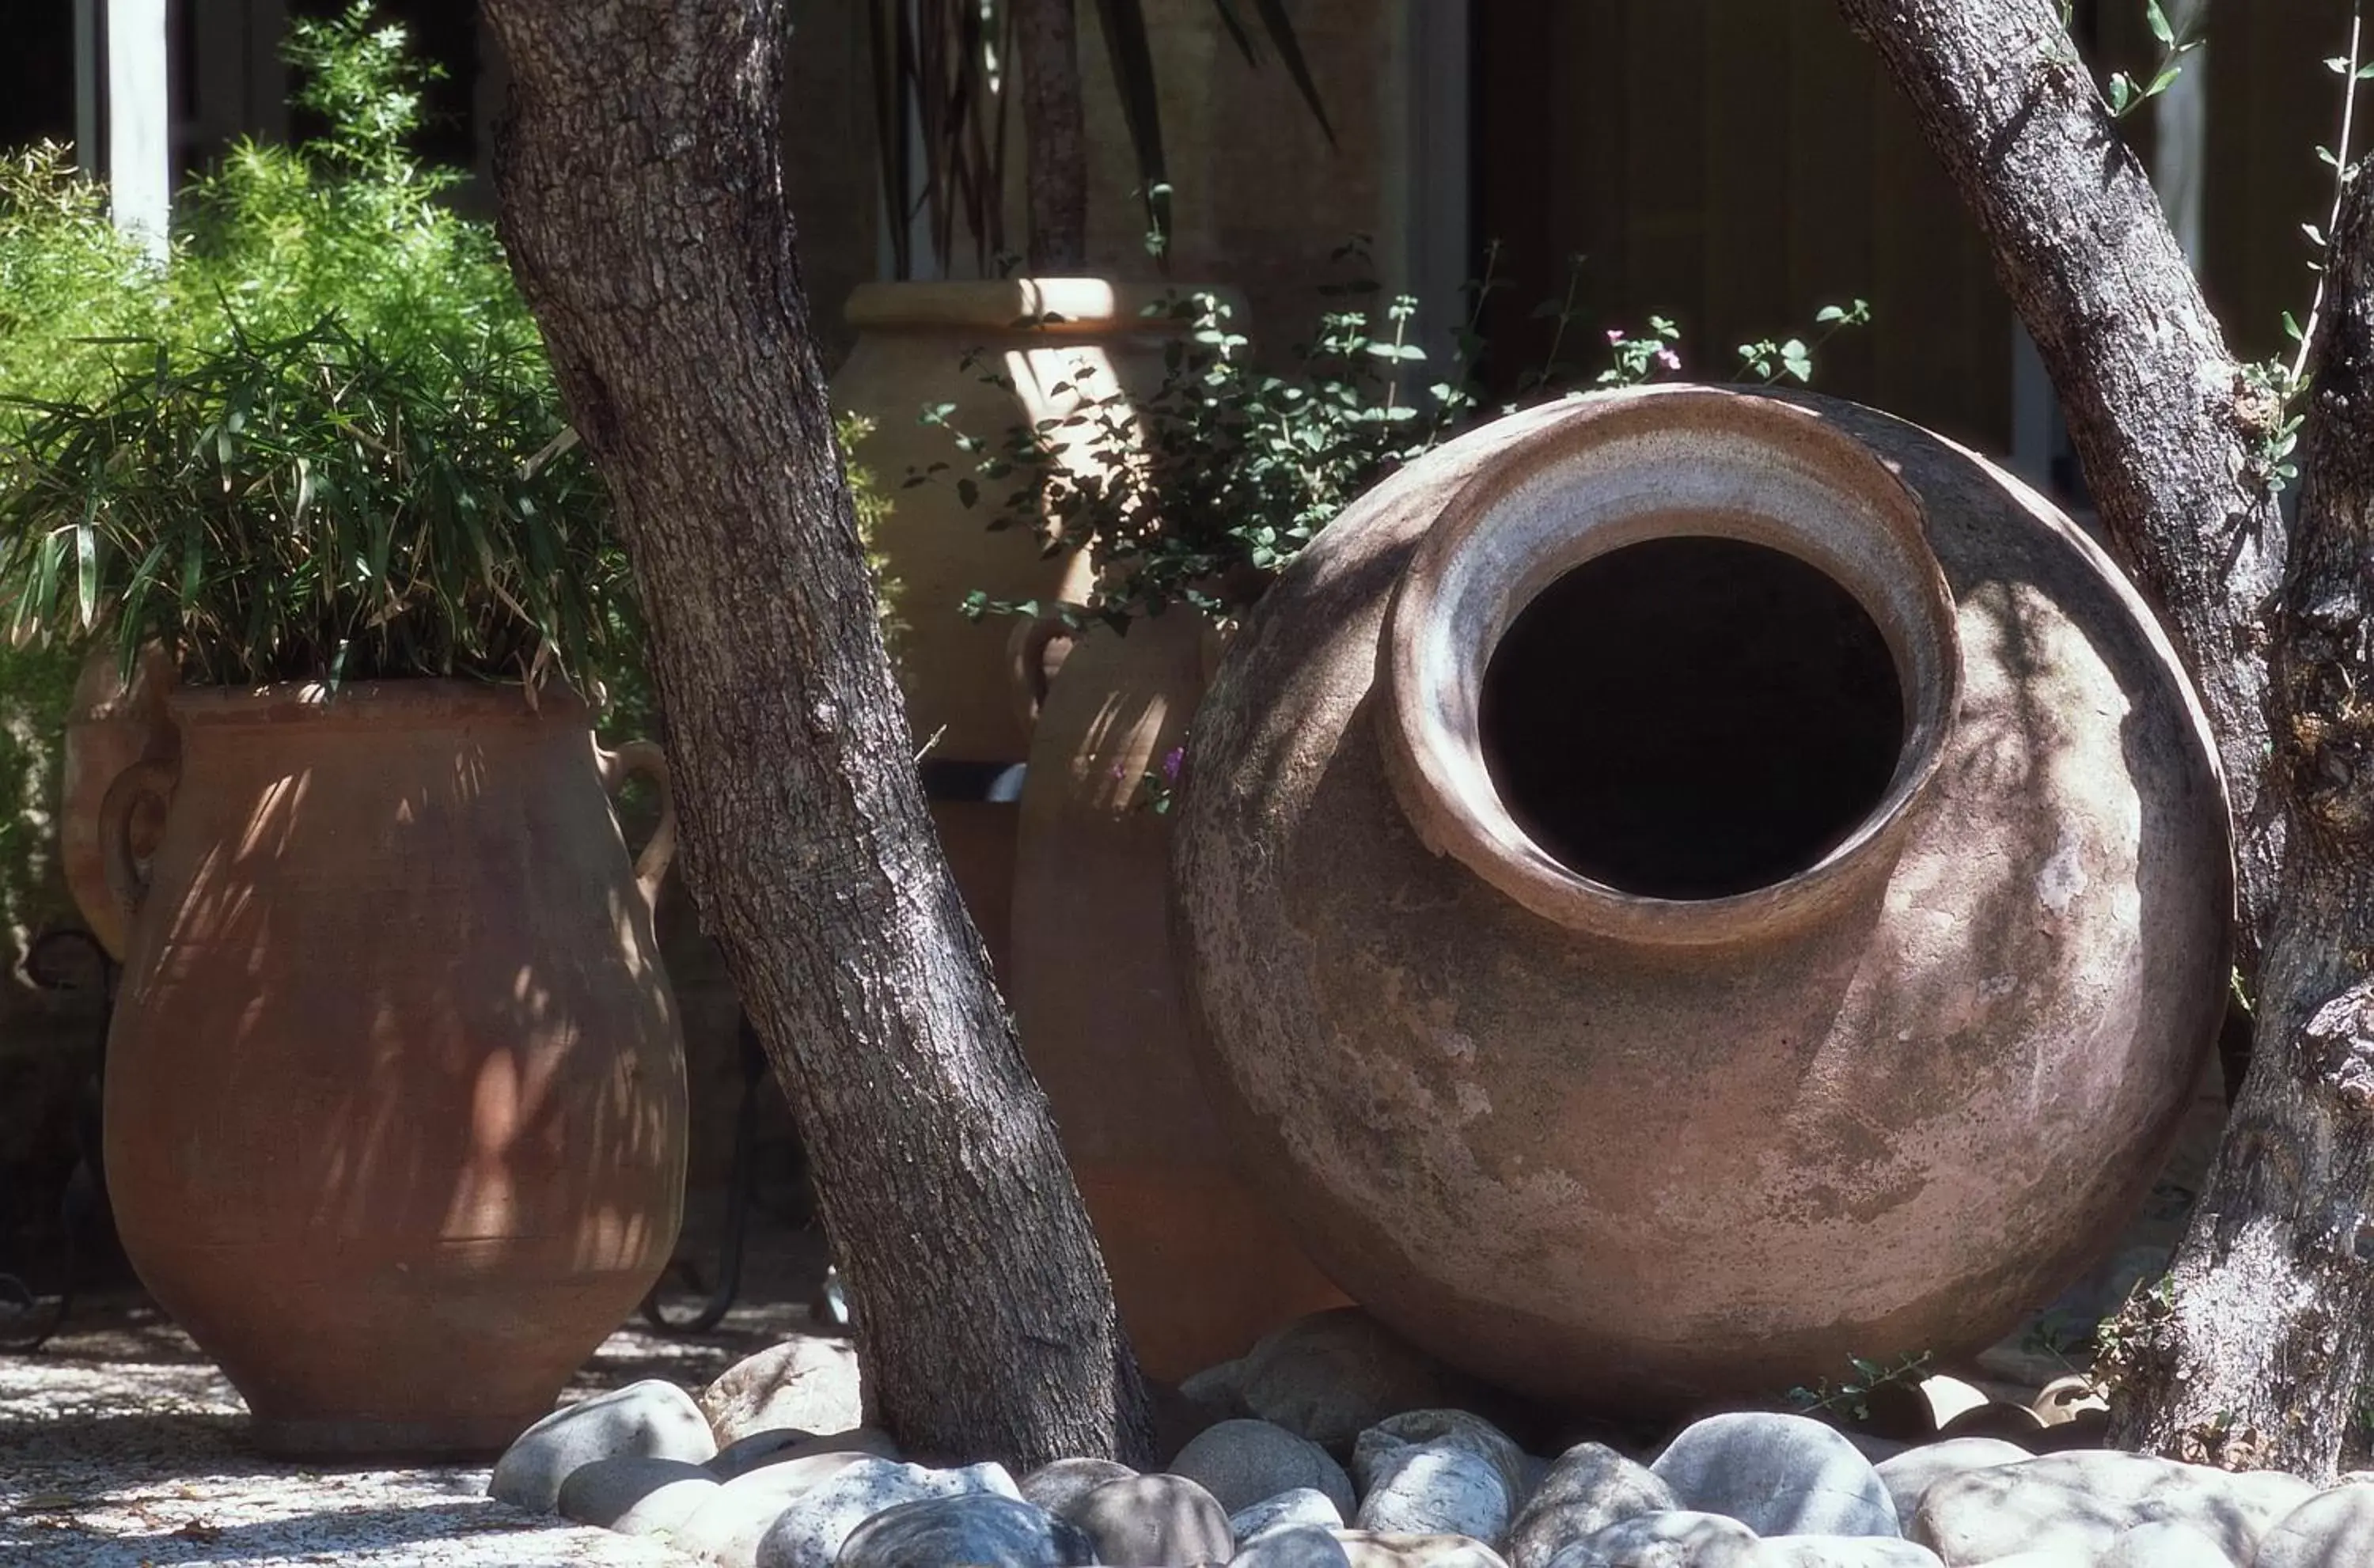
(326, 442)
(70, 281)
(1198, 491)
(1203, 489)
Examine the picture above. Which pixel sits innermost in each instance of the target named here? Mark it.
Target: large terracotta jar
(1058, 341)
(1200, 1266)
(395, 1098)
(112, 722)
(1686, 886)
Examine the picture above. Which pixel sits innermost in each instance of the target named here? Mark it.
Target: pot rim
(1757, 468)
(1089, 307)
(424, 698)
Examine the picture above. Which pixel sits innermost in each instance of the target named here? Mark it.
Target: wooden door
(1733, 166)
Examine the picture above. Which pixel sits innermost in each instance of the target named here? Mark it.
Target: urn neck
(1672, 669)
(422, 701)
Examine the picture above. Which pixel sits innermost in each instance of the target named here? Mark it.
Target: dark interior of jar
(1692, 718)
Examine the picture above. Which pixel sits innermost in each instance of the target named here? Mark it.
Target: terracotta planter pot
(394, 1100)
(958, 674)
(1200, 1266)
(1686, 886)
(112, 725)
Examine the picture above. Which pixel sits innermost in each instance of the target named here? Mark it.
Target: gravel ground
(122, 1446)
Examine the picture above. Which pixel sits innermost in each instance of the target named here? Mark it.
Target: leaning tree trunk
(1055, 133)
(2253, 1351)
(643, 202)
(2157, 407)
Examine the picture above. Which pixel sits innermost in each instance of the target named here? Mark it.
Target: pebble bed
(1331, 1444)
(1320, 1450)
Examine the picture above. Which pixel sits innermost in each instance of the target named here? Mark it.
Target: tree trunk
(2255, 1354)
(2162, 419)
(2253, 1351)
(1055, 135)
(642, 203)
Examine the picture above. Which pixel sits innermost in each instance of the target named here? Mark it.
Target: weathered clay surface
(112, 725)
(1656, 1153)
(1201, 1268)
(396, 1098)
(960, 676)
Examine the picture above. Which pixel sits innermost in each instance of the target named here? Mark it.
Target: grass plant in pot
(396, 1104)
(70, 281)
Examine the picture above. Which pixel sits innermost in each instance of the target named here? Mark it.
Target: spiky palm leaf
(940, 73)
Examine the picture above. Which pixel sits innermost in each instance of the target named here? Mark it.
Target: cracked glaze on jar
(1684, 886)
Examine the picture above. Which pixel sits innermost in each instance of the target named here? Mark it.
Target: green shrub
(324, 441)
(334, 450)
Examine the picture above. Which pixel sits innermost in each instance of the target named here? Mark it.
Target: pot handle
(127, 881)
(645, 757)
(1027, 650)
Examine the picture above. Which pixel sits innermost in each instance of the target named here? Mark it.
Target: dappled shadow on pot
(396, 1100)
(1623, 1170)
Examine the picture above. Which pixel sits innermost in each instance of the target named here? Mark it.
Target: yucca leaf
(1237, 31)
(1124, 23)
(1282, 38)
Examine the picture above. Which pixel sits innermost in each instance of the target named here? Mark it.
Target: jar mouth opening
(1674, 668)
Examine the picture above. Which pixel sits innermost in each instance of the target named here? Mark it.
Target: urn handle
(127, 879)
(646, 758)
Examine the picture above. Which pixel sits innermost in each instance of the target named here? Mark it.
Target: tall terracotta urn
(1684, 886)
(1060, 341)
(1201, 1268)
(394, 1099)
(112, 721)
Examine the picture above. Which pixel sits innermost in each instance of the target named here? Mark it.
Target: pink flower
(1615, 335)
(1669, 359)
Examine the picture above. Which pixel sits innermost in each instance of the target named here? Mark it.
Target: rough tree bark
(2253, 1354)
(2256, 1354)
(643, 206)
(1055, 135)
